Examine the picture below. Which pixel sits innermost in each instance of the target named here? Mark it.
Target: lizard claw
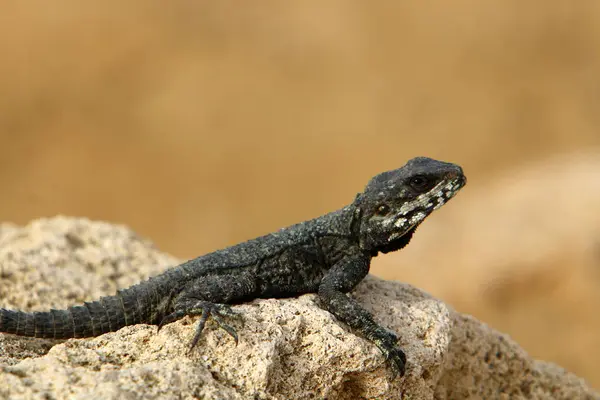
(206, 309)
(397, 361)
(199, 329)
(394, 355)
(228, 328)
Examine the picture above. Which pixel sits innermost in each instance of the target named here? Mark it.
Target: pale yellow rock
(288, 349)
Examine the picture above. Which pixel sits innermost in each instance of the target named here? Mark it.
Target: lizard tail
(74, 322)
(135, 305)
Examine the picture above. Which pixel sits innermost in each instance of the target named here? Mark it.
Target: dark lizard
(328, 255)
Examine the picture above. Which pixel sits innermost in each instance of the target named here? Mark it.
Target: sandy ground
(203, 124)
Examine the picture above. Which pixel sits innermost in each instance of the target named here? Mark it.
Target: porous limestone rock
(288, 349)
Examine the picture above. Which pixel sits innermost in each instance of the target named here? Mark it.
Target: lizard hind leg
(209, 297)
(217, 311)
(204, 309)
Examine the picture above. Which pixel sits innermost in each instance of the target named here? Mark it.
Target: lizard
(328, 255)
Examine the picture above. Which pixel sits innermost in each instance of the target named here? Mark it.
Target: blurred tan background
(201, 124)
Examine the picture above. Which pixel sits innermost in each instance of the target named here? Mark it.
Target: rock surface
(288, 349)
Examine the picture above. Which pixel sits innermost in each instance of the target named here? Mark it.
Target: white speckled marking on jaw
(418, 217)
(426, 202)
(422, 200)
(388, 221)
(394, 236)
(397, 222)
(440, 202)
(400, 222)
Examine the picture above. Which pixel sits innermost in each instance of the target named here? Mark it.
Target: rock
(288, 349)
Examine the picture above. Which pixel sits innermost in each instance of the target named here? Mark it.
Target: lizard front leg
(342, 278)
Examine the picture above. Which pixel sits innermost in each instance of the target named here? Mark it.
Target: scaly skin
(328, 255)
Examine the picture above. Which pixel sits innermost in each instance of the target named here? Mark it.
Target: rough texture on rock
(288, 349)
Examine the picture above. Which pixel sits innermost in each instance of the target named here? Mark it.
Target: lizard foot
(204, 309)
(394, 355)
(397, 361)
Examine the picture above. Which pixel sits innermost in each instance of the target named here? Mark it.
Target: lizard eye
(419, 182)
(383, 209)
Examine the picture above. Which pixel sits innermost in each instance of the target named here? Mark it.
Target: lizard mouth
(414, 212)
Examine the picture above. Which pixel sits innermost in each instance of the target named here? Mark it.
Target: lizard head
(395, 202)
